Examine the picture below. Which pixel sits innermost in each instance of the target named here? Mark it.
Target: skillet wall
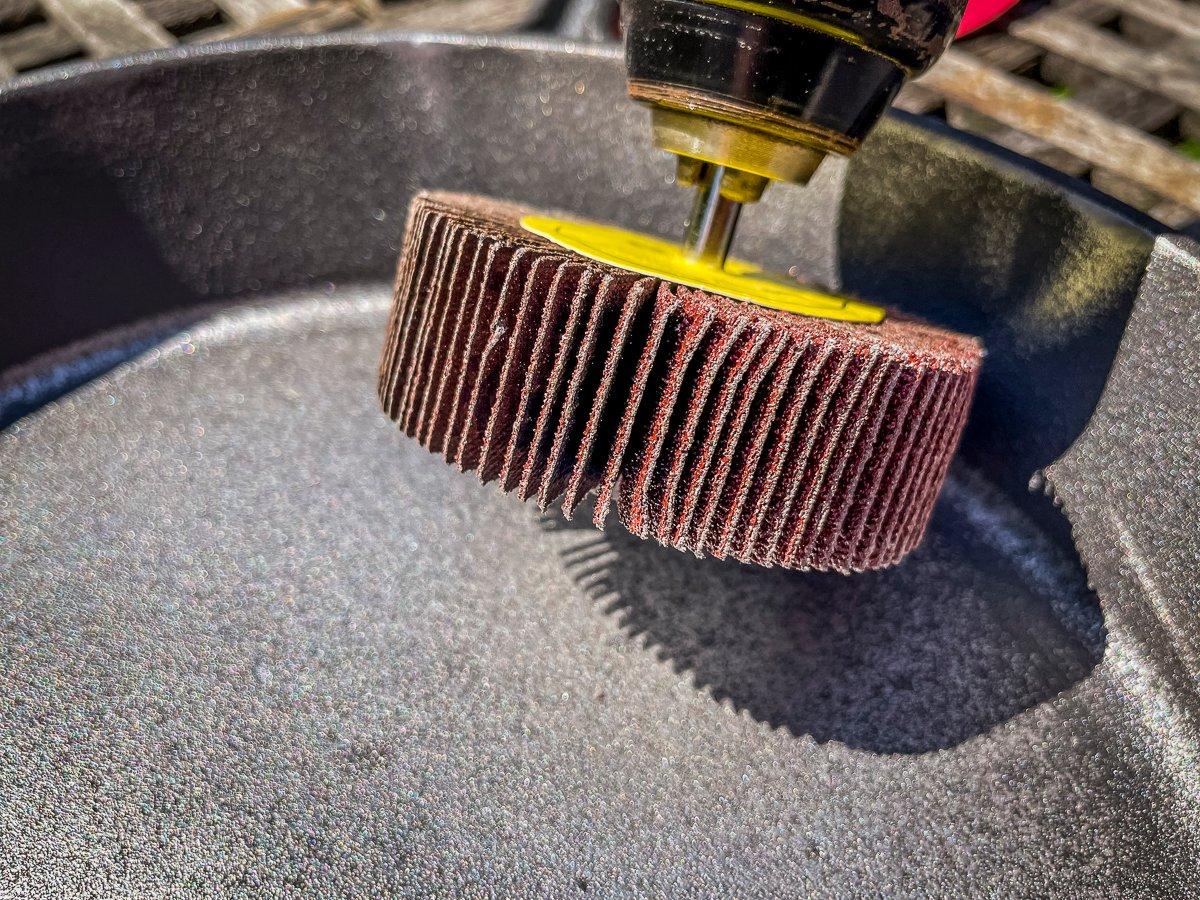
(137, 188)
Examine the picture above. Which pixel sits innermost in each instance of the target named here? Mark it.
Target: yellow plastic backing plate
(657, 258)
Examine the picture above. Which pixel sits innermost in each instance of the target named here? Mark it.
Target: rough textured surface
(255, 641)
(1131, 487)
(714, 426)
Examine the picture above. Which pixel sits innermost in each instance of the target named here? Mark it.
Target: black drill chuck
(769, 87)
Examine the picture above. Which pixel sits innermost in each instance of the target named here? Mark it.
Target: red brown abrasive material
(714, 425)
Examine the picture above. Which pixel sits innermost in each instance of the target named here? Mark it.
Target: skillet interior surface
(256, 640)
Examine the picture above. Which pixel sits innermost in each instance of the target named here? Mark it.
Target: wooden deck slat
(917, 99)
(108, 27)
(1070, 126)
(473, 15)
(1161, 71)
(1182, 19)
(1006, 52)
(1114, 98)
(36, 45)
(44, 42)
(309, 19)
(170, 13)
(250, 12)
(16, 9)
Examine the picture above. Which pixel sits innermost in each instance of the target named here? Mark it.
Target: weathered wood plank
(1159, 71)
(1182, 19)
(164, 12)
(170, 13)
(914, 98)
(1167, 212)
(250, 12)
(1007, 52)
(1111, 97)
(16, 9)
(45, 42)
(36, 45)
(1002, 51)
(965, 118)
(1081, 131)
(467, 15)
(108, 27)
(314, 18)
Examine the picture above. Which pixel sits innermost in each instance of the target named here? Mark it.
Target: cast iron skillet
(255, 641)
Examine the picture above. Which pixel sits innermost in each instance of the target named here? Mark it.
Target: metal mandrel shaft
(714, 218)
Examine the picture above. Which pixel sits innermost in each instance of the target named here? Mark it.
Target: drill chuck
(744, 92)
(771, 86)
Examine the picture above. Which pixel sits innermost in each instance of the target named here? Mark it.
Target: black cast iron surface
(254, 642)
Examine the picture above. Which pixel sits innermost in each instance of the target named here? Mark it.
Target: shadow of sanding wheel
(908, 660)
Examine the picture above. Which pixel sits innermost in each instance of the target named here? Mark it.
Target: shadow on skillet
(1042, 269)
(987, 619)
(85, 256)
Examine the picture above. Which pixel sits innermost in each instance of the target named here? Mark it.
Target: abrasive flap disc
(714, 425)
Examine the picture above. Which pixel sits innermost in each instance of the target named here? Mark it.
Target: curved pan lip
(84, 71)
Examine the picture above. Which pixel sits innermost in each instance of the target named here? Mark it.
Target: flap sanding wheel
(716, 426)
